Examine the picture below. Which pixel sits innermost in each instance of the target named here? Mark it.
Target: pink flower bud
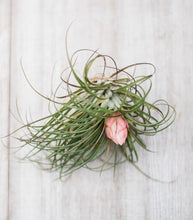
(116, 128)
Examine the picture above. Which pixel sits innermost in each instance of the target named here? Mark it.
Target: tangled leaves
(75, 135)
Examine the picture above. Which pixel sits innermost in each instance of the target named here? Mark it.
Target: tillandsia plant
(102, 118)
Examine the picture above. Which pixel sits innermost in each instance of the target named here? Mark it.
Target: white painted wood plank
(26, 181)
(131, 31)
(40, 44)
(159, 32)
(4, 106)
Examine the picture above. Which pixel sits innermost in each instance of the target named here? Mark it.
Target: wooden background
(160, 32)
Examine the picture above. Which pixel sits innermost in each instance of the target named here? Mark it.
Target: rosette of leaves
(74, 135)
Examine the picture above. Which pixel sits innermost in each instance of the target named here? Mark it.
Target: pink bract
(116, 128)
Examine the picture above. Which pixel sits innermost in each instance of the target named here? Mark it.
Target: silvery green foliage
(112, 100)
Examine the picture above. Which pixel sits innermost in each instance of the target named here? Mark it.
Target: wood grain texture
(131, 31)
(4, 105)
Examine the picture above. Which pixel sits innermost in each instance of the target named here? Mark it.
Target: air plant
(102, 119)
